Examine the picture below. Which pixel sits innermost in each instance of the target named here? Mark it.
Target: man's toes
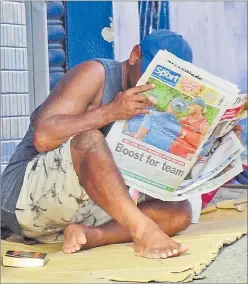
(77, 247)
(182, 249)
(175, 252)
(63, 248)
(73, 249)
(169, 253)
(82, 239)
(66, 250)
(163, 254)
(153, 254)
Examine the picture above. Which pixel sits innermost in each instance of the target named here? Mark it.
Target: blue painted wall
(84, 24)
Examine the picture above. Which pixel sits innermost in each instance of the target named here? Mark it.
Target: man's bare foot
(74, 238)
(149, 242)
(154, 243)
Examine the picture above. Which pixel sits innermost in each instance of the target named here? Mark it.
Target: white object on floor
(196, 205)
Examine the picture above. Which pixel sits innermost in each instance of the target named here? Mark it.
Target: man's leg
(171, 217)
(105, 185)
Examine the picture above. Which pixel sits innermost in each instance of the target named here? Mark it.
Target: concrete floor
(230, 266)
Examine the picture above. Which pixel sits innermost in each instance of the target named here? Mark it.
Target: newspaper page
(155, 152)
(243, 122)
(232, 170)
(237, 109)
(233, 114)
(230, 88)
(228, 149)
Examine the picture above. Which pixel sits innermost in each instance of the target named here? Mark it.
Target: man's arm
(69, 110)
(62, 115)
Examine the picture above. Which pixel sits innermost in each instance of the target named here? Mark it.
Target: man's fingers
(141, 105)
(141, 98)
(140, 89)
(142, 111)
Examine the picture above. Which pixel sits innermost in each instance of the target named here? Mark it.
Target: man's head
(142, 54)
(177, 106)
(196, 106)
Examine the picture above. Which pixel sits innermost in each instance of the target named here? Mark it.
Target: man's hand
(131, 102)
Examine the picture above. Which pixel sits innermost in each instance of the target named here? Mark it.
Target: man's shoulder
(90, 73)
(99, 68)
(99, 64)
(106, 61)
(90, 66)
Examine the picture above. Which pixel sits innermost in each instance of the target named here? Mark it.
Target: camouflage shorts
(52, 197)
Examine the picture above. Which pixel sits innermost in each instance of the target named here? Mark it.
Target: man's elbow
(40, 141)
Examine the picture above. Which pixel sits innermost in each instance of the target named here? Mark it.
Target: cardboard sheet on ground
(217, 227)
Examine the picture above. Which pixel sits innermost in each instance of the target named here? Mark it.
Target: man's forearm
(55, 130)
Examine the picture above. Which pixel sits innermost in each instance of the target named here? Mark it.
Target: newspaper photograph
(155, 152)
(236, 110)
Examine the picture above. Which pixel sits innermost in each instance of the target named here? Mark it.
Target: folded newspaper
(185, 144)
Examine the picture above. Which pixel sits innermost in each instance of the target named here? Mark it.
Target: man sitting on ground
(62, 180)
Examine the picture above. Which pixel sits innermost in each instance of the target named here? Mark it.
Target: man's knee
(187, 213)
(87, 140)
(183, 217)
(174, 215)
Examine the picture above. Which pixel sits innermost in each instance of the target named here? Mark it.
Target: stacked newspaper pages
(185, 144)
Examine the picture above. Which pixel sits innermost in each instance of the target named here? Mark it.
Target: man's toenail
(175, 251)
(169, 253)
(163, 255)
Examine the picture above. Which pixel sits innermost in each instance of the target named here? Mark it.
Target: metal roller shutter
(56, 41)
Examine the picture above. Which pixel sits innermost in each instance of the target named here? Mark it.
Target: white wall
(217, 33)
(126, 28)
(14, 74)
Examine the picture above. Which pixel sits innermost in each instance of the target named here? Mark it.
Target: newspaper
(233, 114)
(244, 138)
(156, 152)
(243, 123)
(228, 149)
(232, 170)
(236, 111)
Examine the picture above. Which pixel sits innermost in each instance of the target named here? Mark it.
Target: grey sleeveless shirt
(13, 175)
